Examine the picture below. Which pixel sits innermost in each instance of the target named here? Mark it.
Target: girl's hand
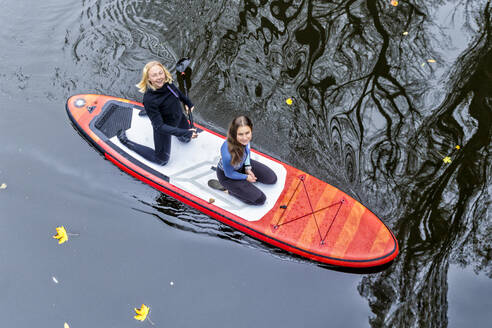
(251, 179)
(249, 171)
(251, 176)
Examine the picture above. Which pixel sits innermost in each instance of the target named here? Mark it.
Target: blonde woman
(162, 104)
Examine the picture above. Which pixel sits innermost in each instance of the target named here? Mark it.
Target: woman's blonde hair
(145, 83)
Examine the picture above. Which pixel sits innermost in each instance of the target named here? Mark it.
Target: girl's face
(157, 76)
(244, 135)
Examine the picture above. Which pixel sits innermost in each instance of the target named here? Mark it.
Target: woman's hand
(189, 109)
(194, 135)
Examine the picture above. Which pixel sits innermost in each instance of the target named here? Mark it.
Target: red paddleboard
(302, 214)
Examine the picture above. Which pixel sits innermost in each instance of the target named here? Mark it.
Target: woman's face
(157, 76)
(244, 135)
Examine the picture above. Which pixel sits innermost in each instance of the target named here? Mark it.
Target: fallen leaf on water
(65, 325)
(288, 101)
(54, 279)
(457, 147)
(394, 3)
(431, 60)
(61, 235)
(142, 312)
(3, 186)
(423, 64)
(447, 159)
(405, 33)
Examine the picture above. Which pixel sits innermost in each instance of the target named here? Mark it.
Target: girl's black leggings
(245, 190)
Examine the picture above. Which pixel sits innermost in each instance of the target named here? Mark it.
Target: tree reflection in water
(366, 92)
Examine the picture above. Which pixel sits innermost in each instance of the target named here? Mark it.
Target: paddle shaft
(190, 115)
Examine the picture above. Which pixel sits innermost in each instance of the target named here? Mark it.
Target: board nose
(81, 106)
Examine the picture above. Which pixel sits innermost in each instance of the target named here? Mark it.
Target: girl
(236, 171)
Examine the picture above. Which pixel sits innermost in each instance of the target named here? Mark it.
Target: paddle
(182, 68)
(184, 72)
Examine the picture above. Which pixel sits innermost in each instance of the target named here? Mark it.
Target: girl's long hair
(144, 83)
(235, 148)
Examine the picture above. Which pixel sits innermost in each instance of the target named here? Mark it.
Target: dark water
(370, 115)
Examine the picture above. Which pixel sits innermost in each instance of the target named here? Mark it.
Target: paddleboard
(302, 214)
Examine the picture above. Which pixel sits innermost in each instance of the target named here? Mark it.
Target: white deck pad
(190, 168)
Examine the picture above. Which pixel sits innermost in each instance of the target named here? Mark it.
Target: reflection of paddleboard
(302, 214)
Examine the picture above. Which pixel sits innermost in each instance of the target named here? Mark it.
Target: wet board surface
(302, 214)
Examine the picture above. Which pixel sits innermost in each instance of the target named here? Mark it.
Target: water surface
(375, 111)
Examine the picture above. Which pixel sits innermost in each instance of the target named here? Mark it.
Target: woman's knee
(162, 158)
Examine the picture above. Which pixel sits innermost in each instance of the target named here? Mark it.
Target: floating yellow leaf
(61, 235)
(457, 147)
(394, 3)
(142, 312)
(423, 64)
(3, 186)
(405, 33)
(65, 325)
(447, 159)
(431, 60)
(288, 101)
